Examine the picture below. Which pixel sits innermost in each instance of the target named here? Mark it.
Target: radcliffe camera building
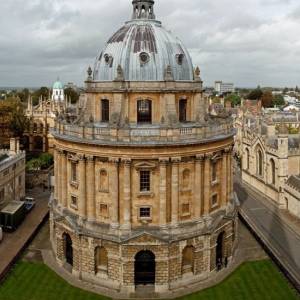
(143, 174)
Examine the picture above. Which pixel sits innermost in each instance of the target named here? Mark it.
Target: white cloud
(248, 42)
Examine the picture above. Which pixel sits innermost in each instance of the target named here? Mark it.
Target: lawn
(255, 280)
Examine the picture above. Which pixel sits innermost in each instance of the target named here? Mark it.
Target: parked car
(29, 203)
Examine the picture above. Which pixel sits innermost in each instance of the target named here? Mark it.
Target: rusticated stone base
(173, 263)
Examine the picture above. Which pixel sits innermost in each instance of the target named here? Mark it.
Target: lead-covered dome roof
(144, 49)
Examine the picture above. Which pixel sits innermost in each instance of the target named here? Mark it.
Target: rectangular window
(104, 210)
(144, 181)
(214, 172)
(214, 200)
(145, 212)
(105, 110)
(182, 110)
(20, 180)
(73, 172)
(74, 202)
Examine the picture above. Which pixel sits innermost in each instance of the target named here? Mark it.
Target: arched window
(273, 174)
(144, 111)
(68, 248)
(182, 110)
(101, 260)
(105, 110)
(35, 127)
(188, 259)
(247, 159)
(104, 187)
(259, 162)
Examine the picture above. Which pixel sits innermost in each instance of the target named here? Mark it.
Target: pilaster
(175, 189)
(82, 186)
(163, 191)
(127, 193)
(90, 192)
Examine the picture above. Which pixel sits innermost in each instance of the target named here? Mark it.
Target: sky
(247, 42)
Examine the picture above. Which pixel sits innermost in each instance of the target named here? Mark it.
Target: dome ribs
(120, 35)
(144, 40)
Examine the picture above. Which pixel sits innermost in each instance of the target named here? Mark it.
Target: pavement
(13, 243)
(277, 229)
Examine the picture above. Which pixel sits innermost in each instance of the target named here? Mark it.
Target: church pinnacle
(143, 9)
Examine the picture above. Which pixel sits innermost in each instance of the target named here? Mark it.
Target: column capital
(209, 155)
(200, 157)
(90, 158)
(176, 160)
(163, 160)
(114, 160)
(80, 157)
(60, 151)
(227, 149)
(126, 161)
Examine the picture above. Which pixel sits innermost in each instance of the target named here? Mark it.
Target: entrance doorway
(220, 251)
(144, 268)
(68, 249)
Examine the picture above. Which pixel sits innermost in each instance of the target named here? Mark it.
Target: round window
(144, 57)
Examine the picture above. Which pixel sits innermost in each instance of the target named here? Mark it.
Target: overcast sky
(248, 42)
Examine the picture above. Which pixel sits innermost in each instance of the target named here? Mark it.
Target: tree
(43, 92)
(23, 95)
(278, 100)
(234, 99)
(12, 117)
(255, 94)
(71, 94)
(267, 99)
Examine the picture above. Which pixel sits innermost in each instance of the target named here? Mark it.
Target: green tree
(255, 94)
(235, 99)
(41, 92)
(12, 117)
(72, 94)
(278, 100)
(23, 95)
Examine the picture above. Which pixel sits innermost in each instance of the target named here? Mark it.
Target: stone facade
(143, 182)
(12, 174)
(271, 156)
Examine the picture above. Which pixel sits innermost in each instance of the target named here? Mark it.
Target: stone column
(207, 184)
(82, 187)
(229, 168)
(230, 172)
(64, 180)
(90, 191)
(198, 192)
(163, 191)
(56, 163)
(175, 189)
(127, 194)
(59, 179)
(224, 178)
(114, 191)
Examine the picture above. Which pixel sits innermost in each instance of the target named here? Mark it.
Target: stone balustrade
(146, 134)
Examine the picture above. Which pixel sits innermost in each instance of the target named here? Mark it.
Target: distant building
(223, 88)
(12, 173)
(271, 158)
(38, 138)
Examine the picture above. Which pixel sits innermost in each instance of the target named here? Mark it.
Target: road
(14, 242)
(276, 231)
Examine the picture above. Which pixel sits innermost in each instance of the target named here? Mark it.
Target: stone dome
(145, 50)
